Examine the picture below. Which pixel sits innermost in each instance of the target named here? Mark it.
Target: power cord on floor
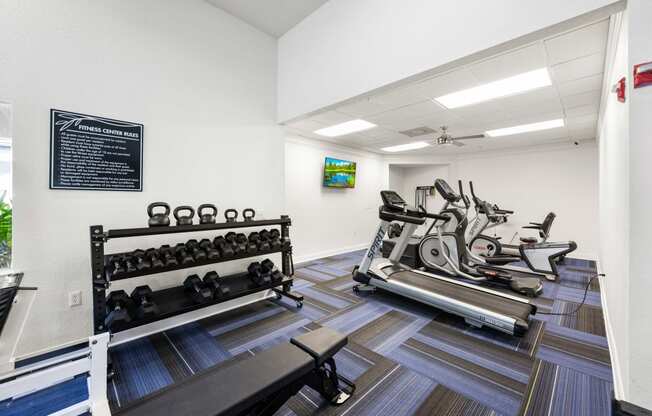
(586, 291)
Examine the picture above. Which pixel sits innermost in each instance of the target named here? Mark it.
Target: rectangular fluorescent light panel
(407, 146)
(525, 128)
(348, 127)
(503, 87)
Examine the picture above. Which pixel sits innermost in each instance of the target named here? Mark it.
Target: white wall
(404, 180)
(640, 183)
(350, 47)
(531, 182)
(534, 183)
(202, 83)
(327, 221)
(614, 210)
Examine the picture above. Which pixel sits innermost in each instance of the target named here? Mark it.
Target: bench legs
(327, 382)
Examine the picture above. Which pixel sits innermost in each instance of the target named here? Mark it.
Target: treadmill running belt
(473, 297)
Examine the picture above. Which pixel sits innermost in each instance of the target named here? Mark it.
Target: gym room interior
(325, 207)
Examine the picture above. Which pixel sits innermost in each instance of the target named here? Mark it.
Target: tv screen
(339, 173)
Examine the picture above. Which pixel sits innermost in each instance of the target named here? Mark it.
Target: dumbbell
(211, 252)
(225, 247)
(145, 306)
(130, 264)
(118, 311)
(168, 256)
(275, 274)
(258, 275)
(238, 248)
(152, 256)
(211, 280)
(267, 236)
(197, 252)
(182, 254)
(116, 266)
(276, 236)
(261, 244)
(250, 247)
(184, 219)
(141, 260)
(197, 290)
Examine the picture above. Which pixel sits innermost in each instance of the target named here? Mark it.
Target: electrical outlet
(75, 298)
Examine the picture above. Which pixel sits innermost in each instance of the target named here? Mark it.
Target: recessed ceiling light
(503, 87)
(524, 128)
(348, 127)
(407, 146)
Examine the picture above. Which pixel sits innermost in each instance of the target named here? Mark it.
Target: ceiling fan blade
(456, 143)
(475, 136)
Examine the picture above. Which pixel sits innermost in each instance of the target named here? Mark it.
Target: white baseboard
(619, 389)
(314, 256)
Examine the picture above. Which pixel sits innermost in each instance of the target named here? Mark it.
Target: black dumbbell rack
(173, 301)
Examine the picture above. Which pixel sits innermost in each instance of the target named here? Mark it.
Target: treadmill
(479, 306)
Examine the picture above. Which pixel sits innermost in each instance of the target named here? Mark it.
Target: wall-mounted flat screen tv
(339, 173)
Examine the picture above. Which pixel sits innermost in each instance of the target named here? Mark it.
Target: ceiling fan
(447, 140)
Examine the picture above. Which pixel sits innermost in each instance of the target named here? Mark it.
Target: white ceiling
(575, 61)
(274, 17)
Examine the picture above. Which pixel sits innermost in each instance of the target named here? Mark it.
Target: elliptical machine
(445, 251)
(542, 256)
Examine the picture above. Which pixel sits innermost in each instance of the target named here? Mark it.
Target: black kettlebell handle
(231, 218)
(184, 208)
(204, 207)
(150, 208)
(248, 214)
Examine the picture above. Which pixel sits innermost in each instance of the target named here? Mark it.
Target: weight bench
(258, 385)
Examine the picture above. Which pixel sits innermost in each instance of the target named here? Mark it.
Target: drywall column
(640, 186)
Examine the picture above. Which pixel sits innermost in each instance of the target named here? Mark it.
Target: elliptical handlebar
(465, 198)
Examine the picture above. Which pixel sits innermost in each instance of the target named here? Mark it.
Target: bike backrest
(547, 224)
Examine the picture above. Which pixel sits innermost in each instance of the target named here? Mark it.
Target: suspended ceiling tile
(457, 80)
(578, 43)
(578, 86)
(513, 63)
(578, 68)
(582, 99)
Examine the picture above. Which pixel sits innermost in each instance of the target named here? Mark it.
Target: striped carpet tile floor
(405, 358)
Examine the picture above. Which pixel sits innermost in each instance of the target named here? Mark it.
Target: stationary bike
(542, 256)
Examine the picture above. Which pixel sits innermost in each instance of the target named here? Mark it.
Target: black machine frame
(101, 278)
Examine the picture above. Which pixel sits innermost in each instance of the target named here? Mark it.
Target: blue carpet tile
(405, 358)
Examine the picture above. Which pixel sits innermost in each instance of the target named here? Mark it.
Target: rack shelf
(175, 301)
(138, 273)
(145, 231)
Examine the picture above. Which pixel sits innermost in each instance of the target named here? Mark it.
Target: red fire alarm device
(642, 74)
(619, 89)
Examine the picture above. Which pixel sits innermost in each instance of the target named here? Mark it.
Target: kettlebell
(160, 219)
(231, 215)
(248, 214)
(207, 218)
(184, 219)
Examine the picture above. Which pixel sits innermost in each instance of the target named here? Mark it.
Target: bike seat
(528, 240)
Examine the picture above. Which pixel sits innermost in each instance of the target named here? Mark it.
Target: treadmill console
(446, 191)
(393, 201)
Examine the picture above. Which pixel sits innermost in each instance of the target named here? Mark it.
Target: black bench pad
(227, 390)
(321, 344)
